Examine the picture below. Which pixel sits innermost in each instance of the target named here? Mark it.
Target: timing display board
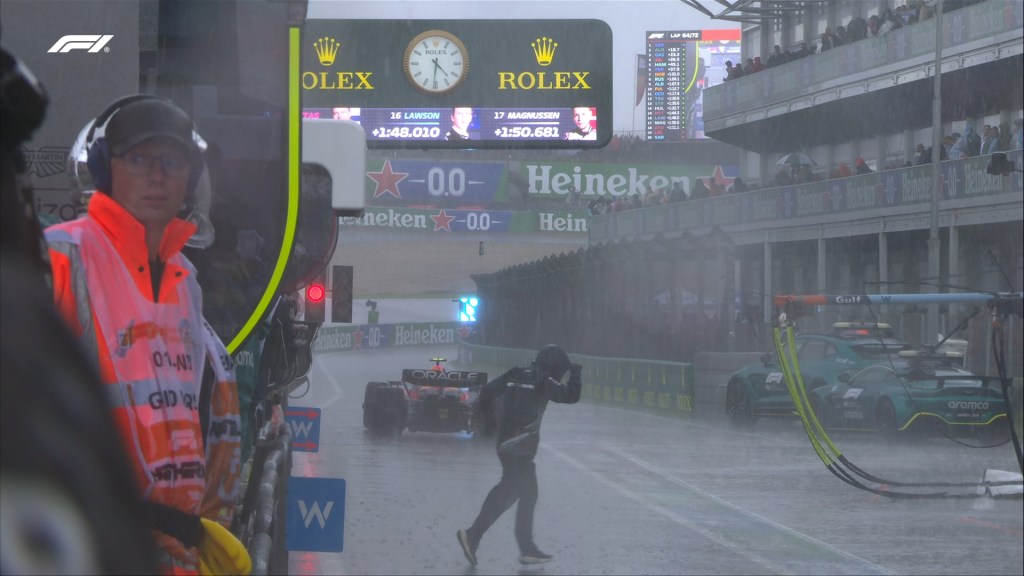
(462, 83)
(680, 64)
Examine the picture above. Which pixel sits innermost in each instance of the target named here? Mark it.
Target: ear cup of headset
(99, 164)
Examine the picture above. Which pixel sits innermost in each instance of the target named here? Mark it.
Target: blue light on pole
(467, 308)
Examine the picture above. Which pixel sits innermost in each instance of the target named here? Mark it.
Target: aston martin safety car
(425, 399)
(760, 389)
(914, 392)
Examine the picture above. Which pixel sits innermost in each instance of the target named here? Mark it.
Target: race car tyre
(370, 405)
(391, 410)
(885, 420)
(737, 405)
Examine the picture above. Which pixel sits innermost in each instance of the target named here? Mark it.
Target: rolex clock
(436, 62)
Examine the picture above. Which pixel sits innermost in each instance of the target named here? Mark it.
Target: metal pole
(934, 245)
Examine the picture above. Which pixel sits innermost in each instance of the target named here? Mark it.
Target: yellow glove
(220, 553)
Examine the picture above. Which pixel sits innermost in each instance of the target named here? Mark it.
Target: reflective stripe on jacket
(223, 435)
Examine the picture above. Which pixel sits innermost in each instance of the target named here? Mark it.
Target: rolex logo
(544, 50)
(326, 50)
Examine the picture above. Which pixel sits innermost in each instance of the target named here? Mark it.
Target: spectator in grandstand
(573, 198)
(802, 174)
(699, 190)
(948, 152)
(827, 39)
(990, 140)
(862, 166)
(738, 185)
(652, 197)
(677, 193)
(840, 37)
(842, 171)
(888, 22)
(731, 72)
(874, 24)
(857, 29)
(963, 145)
(924, 155)
(776, 57)
(973, 140)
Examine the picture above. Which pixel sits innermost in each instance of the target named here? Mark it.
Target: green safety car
(914, 392)
(760, 389)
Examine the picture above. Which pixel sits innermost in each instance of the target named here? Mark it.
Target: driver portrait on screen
(461, 118)
(344, 113)
(586, 124)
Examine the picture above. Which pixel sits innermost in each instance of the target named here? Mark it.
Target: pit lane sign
(304, 424)
(316, 514)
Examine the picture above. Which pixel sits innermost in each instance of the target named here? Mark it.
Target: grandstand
(674, 280)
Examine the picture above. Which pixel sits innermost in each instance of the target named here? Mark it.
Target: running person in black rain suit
(524, 393)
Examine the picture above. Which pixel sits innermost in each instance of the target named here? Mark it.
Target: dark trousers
(518, 482)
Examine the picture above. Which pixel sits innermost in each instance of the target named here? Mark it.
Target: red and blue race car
(425, 399)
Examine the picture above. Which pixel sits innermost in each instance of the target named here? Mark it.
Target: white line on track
(735, 547)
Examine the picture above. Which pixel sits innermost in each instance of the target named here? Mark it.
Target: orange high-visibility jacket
(150, 353)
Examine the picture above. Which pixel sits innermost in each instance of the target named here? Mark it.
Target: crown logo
(326, 50)
(544, 50)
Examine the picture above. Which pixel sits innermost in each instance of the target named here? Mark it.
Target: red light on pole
(315, 292)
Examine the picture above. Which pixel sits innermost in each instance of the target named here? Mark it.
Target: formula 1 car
(425, 399)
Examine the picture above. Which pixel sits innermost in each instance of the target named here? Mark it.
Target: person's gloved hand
(220, 553)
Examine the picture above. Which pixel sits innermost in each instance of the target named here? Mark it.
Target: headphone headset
(99, 151)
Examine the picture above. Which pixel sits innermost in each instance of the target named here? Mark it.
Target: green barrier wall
(666, 387)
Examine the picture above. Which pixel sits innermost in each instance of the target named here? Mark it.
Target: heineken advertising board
(485, 185)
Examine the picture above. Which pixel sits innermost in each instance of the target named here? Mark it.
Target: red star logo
(357, 339)
(719, 178)
(463, 331)
(442, 221)
(387, 181)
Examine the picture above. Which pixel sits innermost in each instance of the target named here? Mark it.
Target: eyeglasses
(140, 164)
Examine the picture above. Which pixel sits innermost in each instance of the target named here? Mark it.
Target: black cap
(141, 120)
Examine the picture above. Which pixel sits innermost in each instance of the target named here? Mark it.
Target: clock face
(436, 62)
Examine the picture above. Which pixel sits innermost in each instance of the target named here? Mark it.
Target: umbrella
(796, 159)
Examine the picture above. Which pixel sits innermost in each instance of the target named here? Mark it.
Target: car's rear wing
(446, 378)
